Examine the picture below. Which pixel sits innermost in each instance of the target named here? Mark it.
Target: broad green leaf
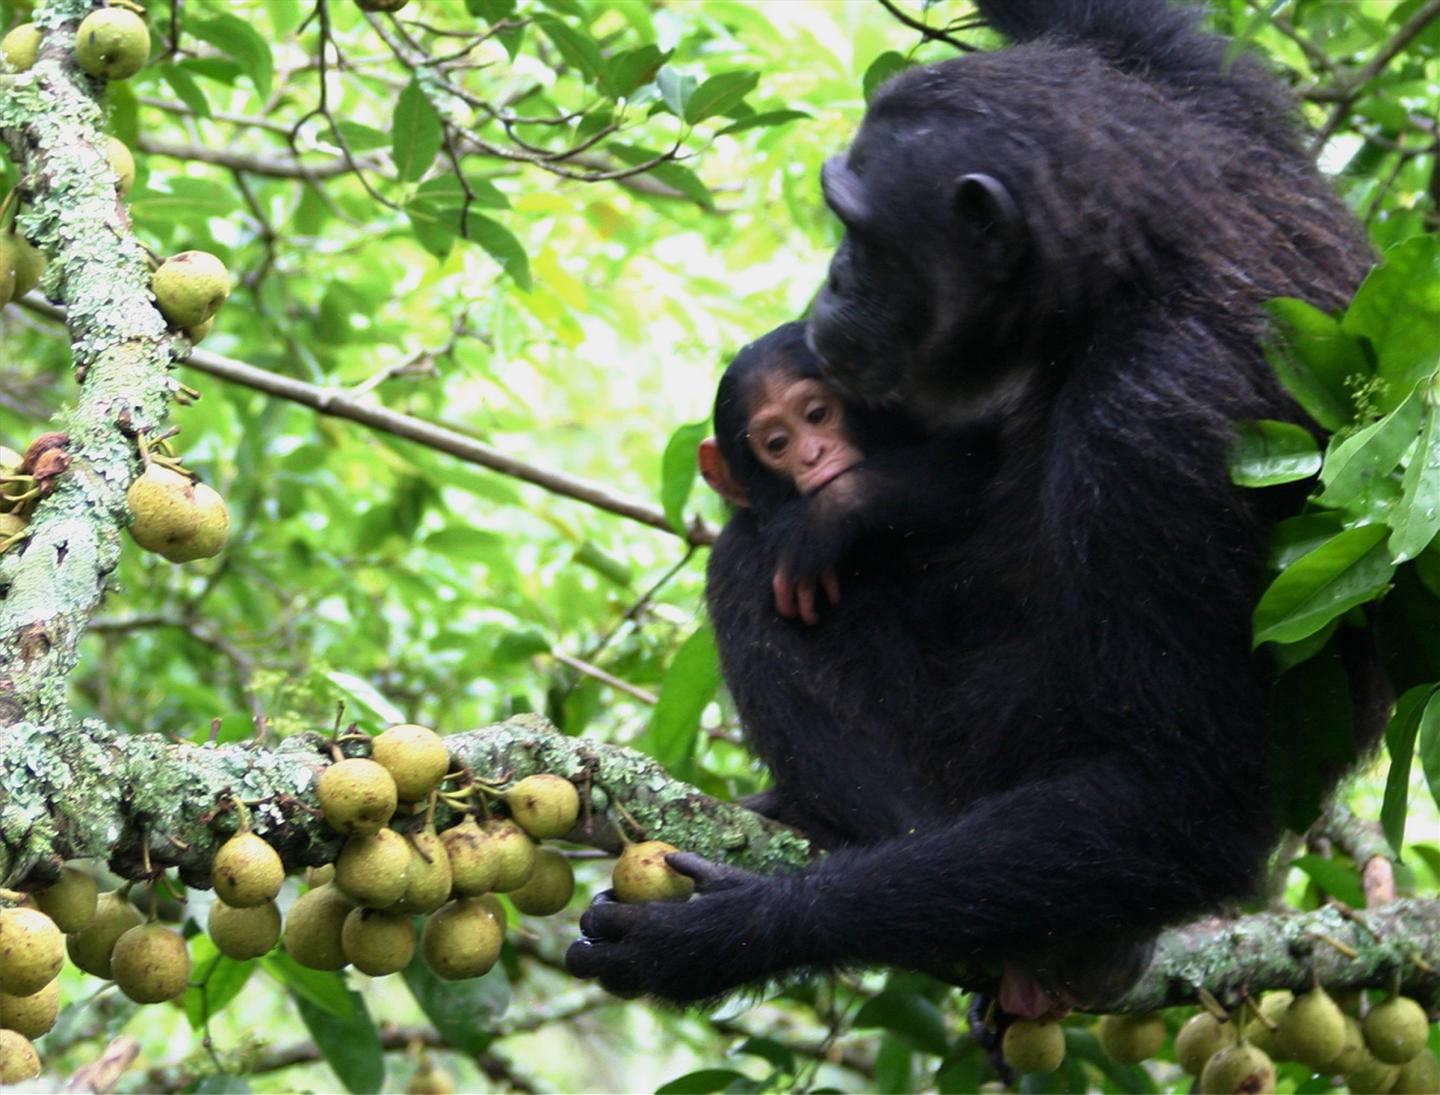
(1400, 734)
(1334, 878)
(1315, 359)
(1416, 517)
(761, 120)
(894, 1067)
(186, 89)
(1351, 568)
(782, 1057)
(1358, 468)
(415, 133)
(1295, 536)
(462, 1012)
(1397, 308)
(909, 1016)
(492, 11)
(351, 1044)
(881, 69)
(320, 988)
(1268, 453)
(237, 39)
(704, 1082)
(501, 245)
(185, 199)
(577, 48)
(1429, 742)
(364, 695)
(687, 687)
(633, 68)
(677, 471)
(675, 88)
(360, 138)
(718, 94)
(215, 980)
(670, 173)
(516, 646)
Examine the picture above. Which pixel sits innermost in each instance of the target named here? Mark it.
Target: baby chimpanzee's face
(797, 431)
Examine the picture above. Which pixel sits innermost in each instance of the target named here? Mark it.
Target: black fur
(1073, 235)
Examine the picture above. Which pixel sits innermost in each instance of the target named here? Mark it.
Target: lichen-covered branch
(89, 794)
(52, 583)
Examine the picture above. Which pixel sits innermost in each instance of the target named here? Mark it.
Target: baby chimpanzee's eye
(817, 414)
(775, 443)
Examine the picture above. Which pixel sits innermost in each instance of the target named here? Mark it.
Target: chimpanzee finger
(708, 876)
(784, 591)
(609, 920)
(806, 595)
(832, 586)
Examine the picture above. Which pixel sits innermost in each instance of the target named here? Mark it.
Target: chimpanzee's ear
(716, 472)
(990, 213)
(844, 193)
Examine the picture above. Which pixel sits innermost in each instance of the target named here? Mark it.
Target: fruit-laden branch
(52, 583)
(68, 796)
(334, 402)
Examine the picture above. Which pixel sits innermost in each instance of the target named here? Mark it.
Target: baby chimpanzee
(821, 474)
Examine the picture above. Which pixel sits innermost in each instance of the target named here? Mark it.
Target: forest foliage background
(578, 330)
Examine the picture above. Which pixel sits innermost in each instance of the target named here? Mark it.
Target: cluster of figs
(1372, 1047)
(360, 911)
(173, 515)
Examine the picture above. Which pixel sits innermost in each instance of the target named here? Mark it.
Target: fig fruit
(429, 879)
(112, 43)
(25, 260)
(461, 940)
(373, 870)
(190, 287)
(474, 862)
(1238, 1070)
(1260, 1030)
(545, 806)
(246, 872)
(1418, 1076)
(122, 163)
(32, 950)
(415, 756)
(242, 933)
(641, 874)
(31, 1015)
(377, 943)
(1201, 1038)
(515, 853)
(1395, 1031)
(20, 46)
(1130, 1039)
(312, 930)
(91, 948)
(162, 510)
(550, 885)
(1312, 1029)
(1033, 1045)
(71, 902)
(210, 533)
(18, 1060)
(151, 964)
(357, 796)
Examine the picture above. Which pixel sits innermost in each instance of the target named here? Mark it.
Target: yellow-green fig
(1419, 1076)
(190, 287)
(26, 261)
(31, 1015)
(122, 163)
(1372, 1077)
(1130, 1039)
(357, 796)
(373, 870)
(1353, 1054)
(20, 46)
(516, 854)
(151, 964)
(461, 940)
(71, 902)
(549, 888)
(1260, 1030)
(641, 874)
(545, 806)
(429, 880)
(474, 858)
(243, 933)
(415, 757)
(312, 930)
(1033, 1045)
(112, 43)
(1201, 1038)
(210, 533)
(162, 509)
(246, 871)
(1238, 1070)
(377, 942)
(18, 1060)
(91, 949)
(32, 950)
(1312, 1029)
(1395, 1031)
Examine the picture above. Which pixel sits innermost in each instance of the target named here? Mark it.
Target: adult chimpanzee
(1074, 234)
(818, 475)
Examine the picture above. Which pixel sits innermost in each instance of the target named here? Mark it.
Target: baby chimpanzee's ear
(716, 472)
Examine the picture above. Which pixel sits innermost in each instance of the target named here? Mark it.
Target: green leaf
(1315, 359)
(687, 687)
(633, 68)
(1351, 568)
(186, 89)
(501, 245)
(781, 1057)
(703, 1082)
(492, 11)
(719, 93)
(881, 69)
(238, 40)
(1397, 308)
(1334, 878)
(670, 173)
(908, 1016)
(215, 980)
(1416, 517)
(677, 471)
(579, 50)
(462, 1012)
(1268, 453)
(525, 642)
(764, 118)
(590, 555)
(350, 1044)
(1430, 745)
(185, 199)
(894, 1067)
(320, 988)
(359, 138)
(415, 133)
(1358, 468)
(360, 693)
(1400, 734)
(675, 89)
